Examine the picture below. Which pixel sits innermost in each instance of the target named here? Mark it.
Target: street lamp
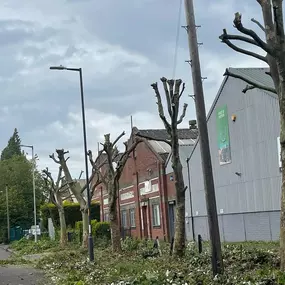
(90, 239)
(34, 189)
(7, 212)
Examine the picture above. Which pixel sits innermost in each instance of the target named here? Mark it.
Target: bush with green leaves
(72, 213)
(100, 231)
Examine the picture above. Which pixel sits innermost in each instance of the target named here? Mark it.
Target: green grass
(255, 262)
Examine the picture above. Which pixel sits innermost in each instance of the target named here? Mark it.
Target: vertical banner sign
(223, 135)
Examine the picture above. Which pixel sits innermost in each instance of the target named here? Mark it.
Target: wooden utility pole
(217, 261)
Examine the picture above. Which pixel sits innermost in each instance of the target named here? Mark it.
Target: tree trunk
(63, 234)
(179, 237)
(114, 225)
(281, 94)
(84, 228)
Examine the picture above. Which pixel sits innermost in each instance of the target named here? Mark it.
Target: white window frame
(156, 215)
(124, 219)
(132, 217)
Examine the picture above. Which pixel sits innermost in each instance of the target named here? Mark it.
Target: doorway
(144, 220)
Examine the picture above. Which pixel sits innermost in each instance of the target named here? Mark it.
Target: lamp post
(7, 212)
(34, 189)
(90, 239)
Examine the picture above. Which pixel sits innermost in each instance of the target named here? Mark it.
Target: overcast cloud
(123, 46)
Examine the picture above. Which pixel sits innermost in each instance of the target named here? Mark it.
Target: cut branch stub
(53, 158)
(171, 87)
(239, 26)
(225, 39)
(107, 138)
(183, 113)
(61, 153)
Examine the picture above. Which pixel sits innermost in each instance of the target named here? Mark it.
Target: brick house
(143, 196)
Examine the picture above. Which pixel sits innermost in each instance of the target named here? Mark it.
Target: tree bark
(114, 223)
(281, 93)
(63, 233)
(179, 238)
(84, 214)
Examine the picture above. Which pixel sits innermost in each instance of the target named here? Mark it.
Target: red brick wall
(170, 185)
(146, 164)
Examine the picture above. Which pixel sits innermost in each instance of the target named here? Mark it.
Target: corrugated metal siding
(253, 140)
(260, 226)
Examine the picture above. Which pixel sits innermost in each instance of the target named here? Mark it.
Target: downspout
(190, 198)
(161, 188)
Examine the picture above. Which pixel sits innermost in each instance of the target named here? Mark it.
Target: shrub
(72, 213)
(25, 246)
(100, 230)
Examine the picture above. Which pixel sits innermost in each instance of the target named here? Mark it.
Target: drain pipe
(190, 198)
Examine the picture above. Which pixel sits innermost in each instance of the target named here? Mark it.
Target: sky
(122, 47)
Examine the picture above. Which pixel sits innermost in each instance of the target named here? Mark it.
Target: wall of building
(248, 204)
(142, 179)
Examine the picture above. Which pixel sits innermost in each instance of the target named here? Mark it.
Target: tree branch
(225, 40)
(239, 26)
(168, 99)
(124, 158)
(256, 85)
(183, 114)
(182, 90)
(54, 159)
(227, 36)
(152, 139)
(160, 107)
(118, 138)
(258, 24)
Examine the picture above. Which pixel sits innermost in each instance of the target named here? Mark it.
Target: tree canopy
(13, 147)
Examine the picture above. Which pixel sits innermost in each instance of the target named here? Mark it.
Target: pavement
(18, 275)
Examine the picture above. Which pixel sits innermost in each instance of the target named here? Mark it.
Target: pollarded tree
(76, 190)
(56, 191)
(13, 147)
(114, 163)
(274, 47)
(173, 93)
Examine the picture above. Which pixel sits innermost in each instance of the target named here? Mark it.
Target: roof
(161, 134)
(254, 74)
(257, 75)
(186, 137)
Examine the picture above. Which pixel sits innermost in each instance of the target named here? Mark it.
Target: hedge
(100, 230)
(72, 213)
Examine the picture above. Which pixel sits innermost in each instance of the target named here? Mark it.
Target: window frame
(124, 226)
(132, 225)
(156, 221)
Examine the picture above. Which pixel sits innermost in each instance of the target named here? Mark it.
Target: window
(132, 218)
(124, 219)
(106, 216)
(155, 215)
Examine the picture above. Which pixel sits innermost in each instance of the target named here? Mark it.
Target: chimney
(192, 124)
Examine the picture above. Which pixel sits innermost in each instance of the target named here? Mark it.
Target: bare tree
(76, 190)
(56, 190)
(114, 163)
(173, 93)
(274, 48)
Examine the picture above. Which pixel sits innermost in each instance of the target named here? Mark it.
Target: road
(18, 275)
